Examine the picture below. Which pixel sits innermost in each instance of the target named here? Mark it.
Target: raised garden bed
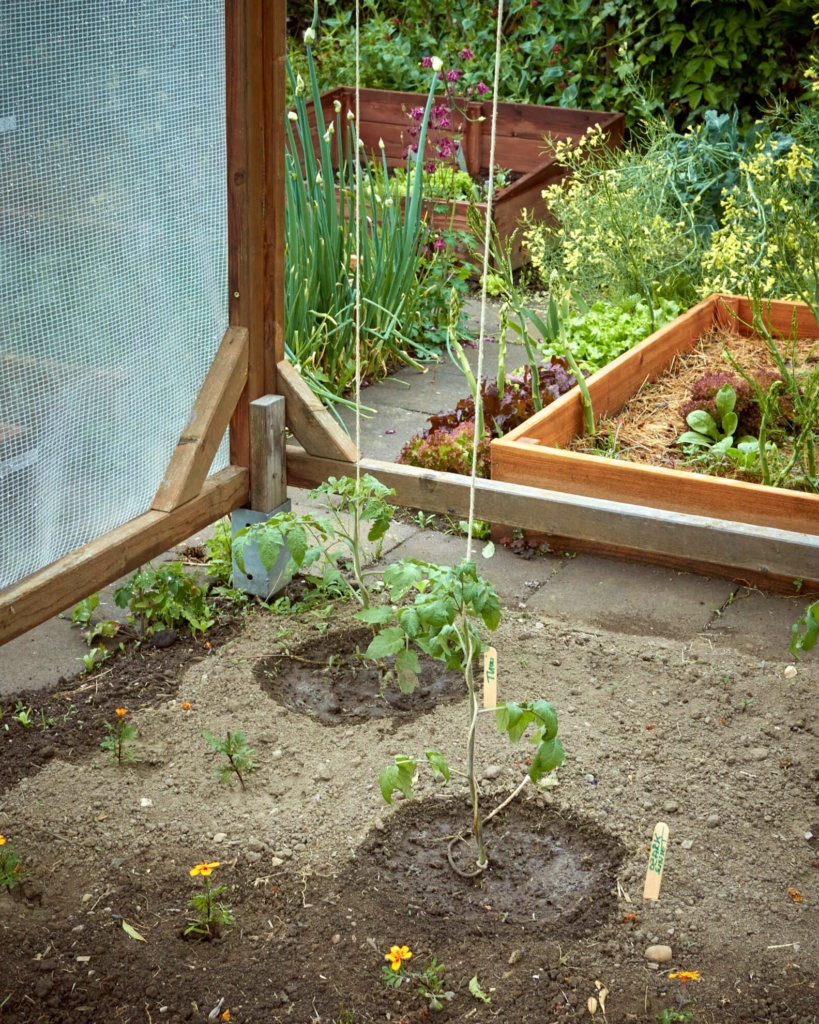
(534, 453)
(520, 148)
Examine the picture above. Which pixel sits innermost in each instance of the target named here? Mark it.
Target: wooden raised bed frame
(532, 453)
(519, 147)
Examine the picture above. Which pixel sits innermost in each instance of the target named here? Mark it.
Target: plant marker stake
(490, 678)
(656, 862)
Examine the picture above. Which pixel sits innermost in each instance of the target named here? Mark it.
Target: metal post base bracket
(257, 580)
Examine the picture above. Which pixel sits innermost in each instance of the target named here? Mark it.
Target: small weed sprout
(428, 981)
(120, 736)
(239, 757)
(23, 715)
(11, 868)
(211, 914)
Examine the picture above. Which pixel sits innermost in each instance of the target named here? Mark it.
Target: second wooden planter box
(533, 454)
(520, 148)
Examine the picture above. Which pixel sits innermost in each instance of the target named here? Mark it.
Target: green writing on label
(657, 855)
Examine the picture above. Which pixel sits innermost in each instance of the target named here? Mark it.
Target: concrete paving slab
(759, 623)
(634, 599)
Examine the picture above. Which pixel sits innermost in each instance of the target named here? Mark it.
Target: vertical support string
(357, 217)
(490, 195)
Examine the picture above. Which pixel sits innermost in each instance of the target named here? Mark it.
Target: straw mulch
(647, 427)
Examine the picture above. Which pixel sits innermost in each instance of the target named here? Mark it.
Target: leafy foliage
(806, 631)
(165, 597)
(324, 540)
(446, 444)
(448, 449)
(666, 55)
(605, 330)
(399, 275)
(238, 755)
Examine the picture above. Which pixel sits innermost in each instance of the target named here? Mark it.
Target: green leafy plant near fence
(667, 56)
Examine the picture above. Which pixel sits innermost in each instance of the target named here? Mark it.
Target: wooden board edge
(694, 542)
(70, 579)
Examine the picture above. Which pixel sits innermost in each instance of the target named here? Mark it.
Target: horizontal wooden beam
(193, 455)
(754, 554)
(70, 579)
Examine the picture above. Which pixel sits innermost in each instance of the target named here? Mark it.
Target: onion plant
(323, 263)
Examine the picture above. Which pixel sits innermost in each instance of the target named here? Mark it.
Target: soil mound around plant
(327, 678)
(550, 875)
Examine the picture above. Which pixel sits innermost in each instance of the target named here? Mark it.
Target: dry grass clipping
(647, 427)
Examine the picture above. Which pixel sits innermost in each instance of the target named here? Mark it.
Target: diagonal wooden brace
(193, 455)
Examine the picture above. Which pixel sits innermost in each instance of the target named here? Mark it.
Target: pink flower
(481, 88)
(556, 48)
(453, 75)
(439, 243)
(417, 113)
(466, 54)
(426, 62)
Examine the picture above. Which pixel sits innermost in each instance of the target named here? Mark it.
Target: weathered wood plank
(309, 421)
(245, 83)
(214, 406)
(268, 486)
(60, 585)
(694, 543)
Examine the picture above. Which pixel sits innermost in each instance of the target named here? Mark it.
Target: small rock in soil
(658, 954)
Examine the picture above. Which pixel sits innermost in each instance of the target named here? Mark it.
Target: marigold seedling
(11, 868)
(211, 913)
(239, 757)
(120, 735)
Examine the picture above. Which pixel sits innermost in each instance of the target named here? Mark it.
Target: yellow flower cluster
(204, 869)
(397, 955)
(761, 244)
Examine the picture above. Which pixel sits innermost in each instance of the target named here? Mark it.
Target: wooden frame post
(255, 45)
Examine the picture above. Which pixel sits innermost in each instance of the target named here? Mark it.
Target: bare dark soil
(323, 877)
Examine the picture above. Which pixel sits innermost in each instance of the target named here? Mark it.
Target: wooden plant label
(656, 861)
(490, 678)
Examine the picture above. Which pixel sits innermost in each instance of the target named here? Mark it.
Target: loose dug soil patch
(327, 678)
(323, 877)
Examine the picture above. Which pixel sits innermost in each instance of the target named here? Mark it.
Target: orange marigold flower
(121, 712)
(396, 955)
(685, 976)
(226, 1015)
(185, 705)
(204, 869)
(2, 840)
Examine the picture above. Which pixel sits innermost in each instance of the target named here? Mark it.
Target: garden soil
(323, 877)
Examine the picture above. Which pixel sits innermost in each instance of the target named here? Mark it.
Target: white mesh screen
(113, 241)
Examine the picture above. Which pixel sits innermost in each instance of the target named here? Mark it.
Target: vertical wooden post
(269, 488)
(254, 65)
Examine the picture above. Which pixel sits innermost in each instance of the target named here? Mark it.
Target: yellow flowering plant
(120, 735)
(428, 981)
(11, 868)
(211, 913)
